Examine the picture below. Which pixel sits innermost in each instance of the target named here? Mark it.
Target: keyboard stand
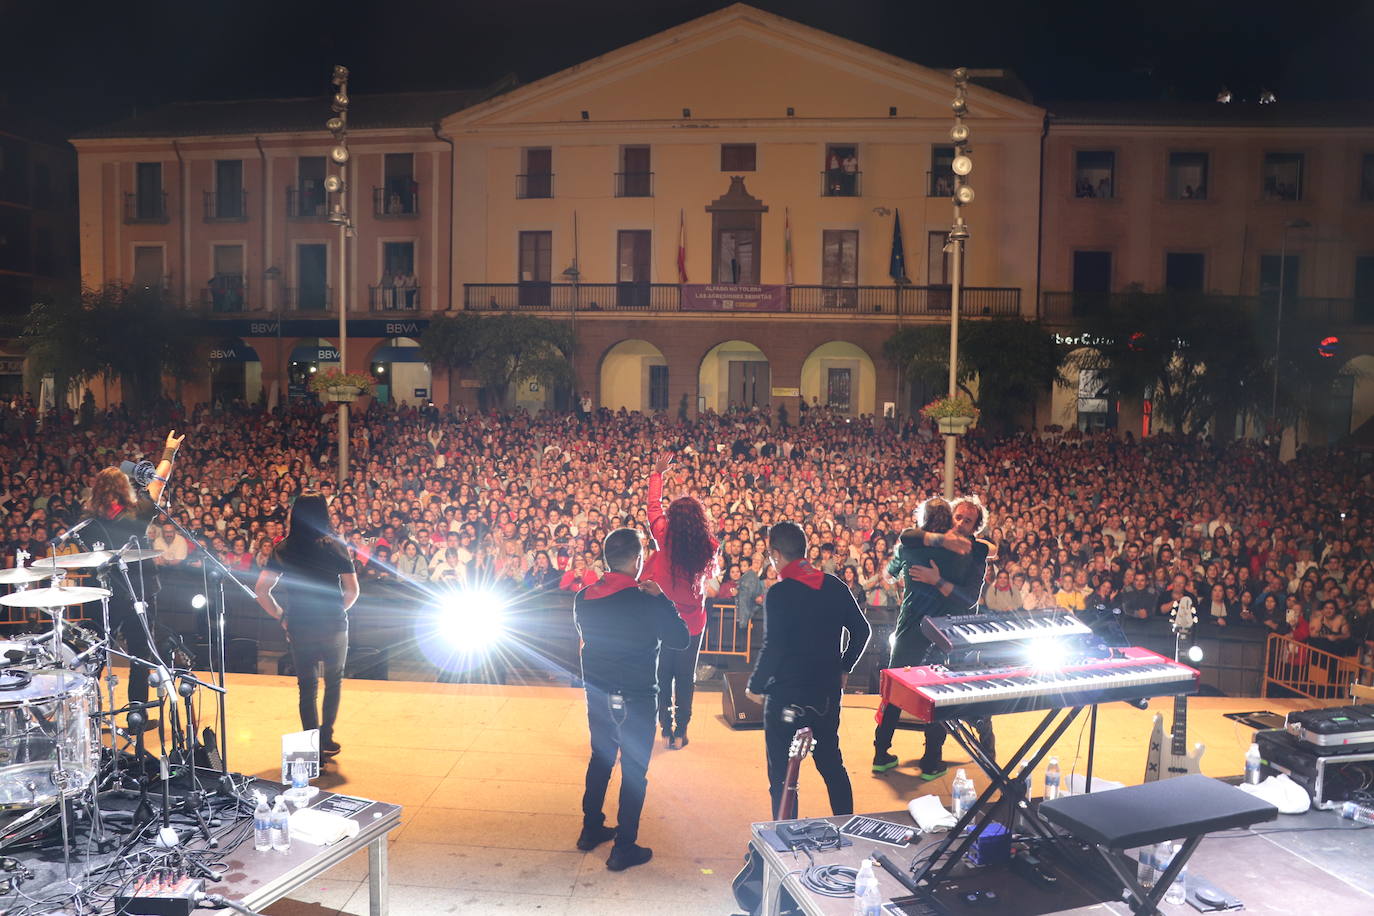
(1000, 778)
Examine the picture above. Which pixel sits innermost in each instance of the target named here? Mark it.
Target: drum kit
(50, 702)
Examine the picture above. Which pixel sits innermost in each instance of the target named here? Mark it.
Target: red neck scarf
(611, 583)
(803, 572)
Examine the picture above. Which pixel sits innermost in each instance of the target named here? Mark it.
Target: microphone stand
(217, 636)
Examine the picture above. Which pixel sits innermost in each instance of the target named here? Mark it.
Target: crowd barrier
(1311, 671)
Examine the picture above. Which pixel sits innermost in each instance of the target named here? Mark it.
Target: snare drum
(45, 719)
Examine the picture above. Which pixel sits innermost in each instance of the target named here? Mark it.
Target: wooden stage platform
(490, 779)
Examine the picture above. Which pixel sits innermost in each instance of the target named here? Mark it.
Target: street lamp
(1296, 223)
(338, 215)
(961, 166)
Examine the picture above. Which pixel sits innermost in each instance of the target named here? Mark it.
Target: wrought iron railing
(145, 208)
(840, 183)
(985, 301)
(388, 203)
(1071, 306)
(226, 293)
(534, 185)
(308, 298)
(389, 298)
(634, 184)
(307, 203)
(226, 206)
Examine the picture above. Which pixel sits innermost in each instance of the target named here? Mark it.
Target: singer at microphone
(117, 514)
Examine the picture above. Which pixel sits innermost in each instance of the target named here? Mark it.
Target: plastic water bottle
(262, 824)
(868, 900)
(1252, 765)
(1146, 873)
(1358, 813)
(1177, 894)
(1052, 779)
(962, 793)
(280, 822)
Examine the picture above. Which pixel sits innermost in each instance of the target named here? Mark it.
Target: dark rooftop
(263, 116)
(1233, 114)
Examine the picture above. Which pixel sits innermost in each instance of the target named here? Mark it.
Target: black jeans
(677, 679)
(823, 717)
(319, 644)
(629, 732)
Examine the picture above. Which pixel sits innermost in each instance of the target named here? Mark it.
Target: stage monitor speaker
(739, 710)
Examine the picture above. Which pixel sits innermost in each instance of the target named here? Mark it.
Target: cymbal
(21, 575)
(95, 558)
(54, 597)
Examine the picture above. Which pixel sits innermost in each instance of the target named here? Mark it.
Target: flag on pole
(681, 247)
(787, 244)
(896, 265)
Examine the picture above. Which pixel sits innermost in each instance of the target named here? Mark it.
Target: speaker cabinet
(739, 710)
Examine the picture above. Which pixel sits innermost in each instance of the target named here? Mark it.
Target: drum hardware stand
(218, 665)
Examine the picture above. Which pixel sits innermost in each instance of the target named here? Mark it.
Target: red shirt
(687, 597)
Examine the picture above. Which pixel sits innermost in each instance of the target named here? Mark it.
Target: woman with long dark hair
(685, 558)
(317, 585)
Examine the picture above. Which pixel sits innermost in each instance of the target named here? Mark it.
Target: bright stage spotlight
(1045, 654)
(198, 602)
(471, 621)
(1195, 654)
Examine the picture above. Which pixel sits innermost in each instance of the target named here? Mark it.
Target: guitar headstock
(1184, 617)
(802, 742)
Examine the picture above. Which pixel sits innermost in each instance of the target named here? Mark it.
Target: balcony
(226, 293)
(306, 203)
(839, 183)
(226, 206)
(394, 298)
(145, 208)
(391, 204)
(634, 184)
(1068, 307)
(534, 185)
(982, 301)
(308, 298)
(939, 184)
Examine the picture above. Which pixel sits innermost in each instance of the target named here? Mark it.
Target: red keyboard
(936, 694)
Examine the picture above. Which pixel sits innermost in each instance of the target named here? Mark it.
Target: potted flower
(953, 415)
(341, 386)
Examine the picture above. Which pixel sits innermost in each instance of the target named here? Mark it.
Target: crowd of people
(452, 498)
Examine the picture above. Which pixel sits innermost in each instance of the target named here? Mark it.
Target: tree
(1014, 361)
(132, 336)
(1201, 357)
(501, 350)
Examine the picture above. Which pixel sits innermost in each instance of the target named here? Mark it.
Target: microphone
(71, 532)
(142, 473)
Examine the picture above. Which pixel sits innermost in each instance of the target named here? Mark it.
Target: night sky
(83, 61)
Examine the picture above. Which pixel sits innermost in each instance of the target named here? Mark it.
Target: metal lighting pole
(338, 185)
(962, 165)
(1278, 323)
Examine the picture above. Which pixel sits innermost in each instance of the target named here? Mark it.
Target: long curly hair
(110, 489)
(691, 554)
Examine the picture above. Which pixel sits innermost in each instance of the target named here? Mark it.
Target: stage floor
(490, 777)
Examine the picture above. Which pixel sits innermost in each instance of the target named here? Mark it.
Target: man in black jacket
(622, 623)
(801, 670)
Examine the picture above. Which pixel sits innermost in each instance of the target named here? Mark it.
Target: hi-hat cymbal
(54, 597)
(22, 575)
(94, 558)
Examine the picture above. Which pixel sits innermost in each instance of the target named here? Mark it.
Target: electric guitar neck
(1173, 758)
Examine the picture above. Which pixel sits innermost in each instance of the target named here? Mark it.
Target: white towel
(929, 814)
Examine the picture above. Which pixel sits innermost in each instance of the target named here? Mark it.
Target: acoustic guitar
(748, 884)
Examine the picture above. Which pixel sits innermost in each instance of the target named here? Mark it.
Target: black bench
(1187, 808)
